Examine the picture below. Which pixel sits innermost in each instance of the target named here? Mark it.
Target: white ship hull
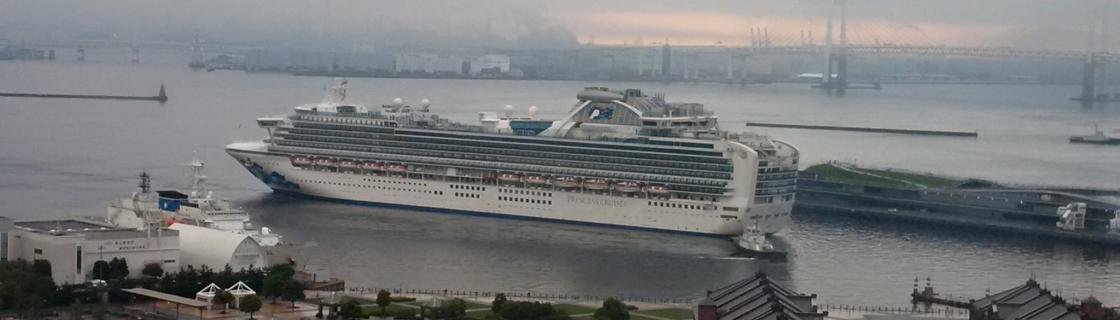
(676, 215)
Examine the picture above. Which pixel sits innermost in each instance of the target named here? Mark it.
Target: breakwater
(867, 129)
(161, 97)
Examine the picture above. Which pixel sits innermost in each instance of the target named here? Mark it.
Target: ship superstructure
(617, 158)
(147, 208)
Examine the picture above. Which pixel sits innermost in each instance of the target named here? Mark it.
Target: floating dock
(868, 129)
(161, 97)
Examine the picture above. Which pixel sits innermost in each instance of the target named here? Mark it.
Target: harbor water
(64, 157)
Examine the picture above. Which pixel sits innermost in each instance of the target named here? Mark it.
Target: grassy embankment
(881, 178)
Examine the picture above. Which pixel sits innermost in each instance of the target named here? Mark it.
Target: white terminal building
(72, 246)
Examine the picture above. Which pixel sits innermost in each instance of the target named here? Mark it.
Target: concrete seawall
(868, 129)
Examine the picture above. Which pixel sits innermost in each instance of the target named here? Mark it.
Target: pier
(868, 129)
(161, 97)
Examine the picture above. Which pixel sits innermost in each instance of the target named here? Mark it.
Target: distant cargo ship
(618, 158)
(1098, 137)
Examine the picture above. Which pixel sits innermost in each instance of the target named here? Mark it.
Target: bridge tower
(836, 58)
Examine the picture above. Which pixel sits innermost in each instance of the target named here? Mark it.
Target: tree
(293, 291)
(383, 300)
(223, 298)
(612, 310)
(282, 270)
(154, 270)
(350, 309)
(118, 269)
(100, 270)
(499, 300)
(42, 267)
(453, 309)
(524, 310)
(249, 304)
(273, 286)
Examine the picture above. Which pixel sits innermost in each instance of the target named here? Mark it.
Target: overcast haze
(1021, 23)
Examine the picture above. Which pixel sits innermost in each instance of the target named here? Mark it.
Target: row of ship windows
(526, 192)
(524, 200)
(371, 186)
(675, 205)
(444, 152)
(768, 216)
(467, 195)
(785, 198)
(465, 146)
(396, 182)
(533, 145)
(349, 121)
(283, 146)
(462, 187)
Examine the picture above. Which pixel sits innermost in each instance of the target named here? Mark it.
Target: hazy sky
(1021, 23)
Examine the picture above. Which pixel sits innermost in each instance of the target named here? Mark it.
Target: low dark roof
(760, 298)
(167, 297)
(62, 225)
(1026, 302)
(171, 194)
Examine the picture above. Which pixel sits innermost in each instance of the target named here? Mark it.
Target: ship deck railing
(492, 166)
(501, 155)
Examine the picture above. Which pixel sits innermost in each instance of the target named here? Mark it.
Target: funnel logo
(600, 113)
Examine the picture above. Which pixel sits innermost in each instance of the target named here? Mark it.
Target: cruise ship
(617, 158)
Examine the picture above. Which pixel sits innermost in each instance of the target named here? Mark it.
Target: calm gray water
(71, 157)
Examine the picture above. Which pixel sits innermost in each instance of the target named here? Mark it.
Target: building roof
(201, 246)
(760, 298)
(62, 225)
(1026, 302)
(167, 297)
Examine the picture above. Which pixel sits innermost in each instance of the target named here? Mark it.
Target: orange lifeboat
(566, 182)
(397, 168)
(596, 184)
(301, 161)
(509, 177)
(627, 186)
(348, 164)
(657, 189)
(537, 180)
(325, 162)
(371, 166)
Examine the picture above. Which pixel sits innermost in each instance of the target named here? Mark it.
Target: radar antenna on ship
(198, 179)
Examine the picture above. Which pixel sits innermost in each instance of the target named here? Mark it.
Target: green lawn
(671, 313)
(479, 314)
(834, 174)
(928, 180)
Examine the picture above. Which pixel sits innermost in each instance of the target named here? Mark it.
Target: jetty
(161, 97)
(867, 129)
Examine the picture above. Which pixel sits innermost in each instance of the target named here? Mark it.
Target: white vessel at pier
(147, 208)
(618, 158)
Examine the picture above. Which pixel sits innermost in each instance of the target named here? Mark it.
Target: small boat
(537, 180)
(370, 165)
(397, 168)
(325, 162)
(1098, 137)
(509, 177)
(566, 182)
(596, 184)
(753, 243)
(657, 189)
(348, 164)
(627, 186)
(301, 161)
